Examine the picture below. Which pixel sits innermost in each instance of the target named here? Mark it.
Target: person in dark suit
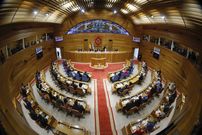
(78, 107)
(23, 90)
(171, 98)
(28, 105)
(114, 78)
(33, 115)
(43, 121)
(74, 85)
(85, 77)
(128, 106)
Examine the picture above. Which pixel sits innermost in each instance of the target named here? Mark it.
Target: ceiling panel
(186, 13)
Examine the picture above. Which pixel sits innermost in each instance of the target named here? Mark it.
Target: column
(187, 56)
(172, 45)
(6, 51)
(149, 38)
(23, 43)
(46, 37)
(159, 41)
(36, 38)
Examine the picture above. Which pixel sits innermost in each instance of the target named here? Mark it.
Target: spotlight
(162, 17)
(152, 16)
(82, 10)
(35, 12)
(114, 11)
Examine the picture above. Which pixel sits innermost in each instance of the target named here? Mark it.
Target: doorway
(58, 53)
(136, 53)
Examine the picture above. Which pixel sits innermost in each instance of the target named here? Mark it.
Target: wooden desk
(85, 56)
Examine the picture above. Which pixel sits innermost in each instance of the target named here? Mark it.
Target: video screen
(39, 52)
(58, 38)
(136, 39)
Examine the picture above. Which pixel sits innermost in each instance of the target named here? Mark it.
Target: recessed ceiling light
(35, 12)
(162, 17)
(82, 10)
(124, 11)
(68, 5)
(131, 7)
(47, 14)
(152, 16)
(75, 8)
(108, 5)
(114, 11)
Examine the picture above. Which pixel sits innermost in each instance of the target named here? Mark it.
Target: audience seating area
(137, 102)
(78, 108)
(43, 118)
(150, 123)
(75, 73)
(123, 86)
(124, 73)
(69, 105)
(70, 85)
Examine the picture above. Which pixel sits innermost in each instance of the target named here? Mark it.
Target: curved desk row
(86, 56)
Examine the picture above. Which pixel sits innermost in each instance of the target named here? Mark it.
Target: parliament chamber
(100, 67)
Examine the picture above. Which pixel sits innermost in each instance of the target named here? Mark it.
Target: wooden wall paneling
(110, 56)
(178, 69)
(20, 68)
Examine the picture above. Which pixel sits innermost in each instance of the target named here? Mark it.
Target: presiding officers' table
(86, 56)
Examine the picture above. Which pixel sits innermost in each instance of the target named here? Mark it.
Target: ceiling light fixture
(124, 11)
(162, 17)
(47, 14)
(35, 12)
(131, 7)
(114, 11)
(82, 10)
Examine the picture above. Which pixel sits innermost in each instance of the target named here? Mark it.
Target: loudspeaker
(85, 45)
(110, 44)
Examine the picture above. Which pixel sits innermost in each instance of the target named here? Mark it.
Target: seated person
(138, 131)
(159, 114)
(121, 75)
(145, 97)
(74, 85)
(85, 77)
(144, 65)
(78, 76)
(159, 86)
(121, 90)
(159, 74)
(171, 97)
(23, 90)
(128, 106)
(166, 107)
(33, 115)
(59, 102)
(141, 77)
(172, 86)
(43, 121)
(138, 102)
(78, 107)
(114, 78)
(150, 124)
(28, 104)
(126, 74)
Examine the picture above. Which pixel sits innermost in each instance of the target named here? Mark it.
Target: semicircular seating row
(135, 103)
(68, 104)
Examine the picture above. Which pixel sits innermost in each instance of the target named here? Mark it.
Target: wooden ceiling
(186, 13)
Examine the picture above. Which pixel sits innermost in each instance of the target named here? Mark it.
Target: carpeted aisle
(104, 118)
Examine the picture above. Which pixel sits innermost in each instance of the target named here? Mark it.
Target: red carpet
(104, 118)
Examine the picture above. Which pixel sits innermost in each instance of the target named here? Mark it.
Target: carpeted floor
(105, 121)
